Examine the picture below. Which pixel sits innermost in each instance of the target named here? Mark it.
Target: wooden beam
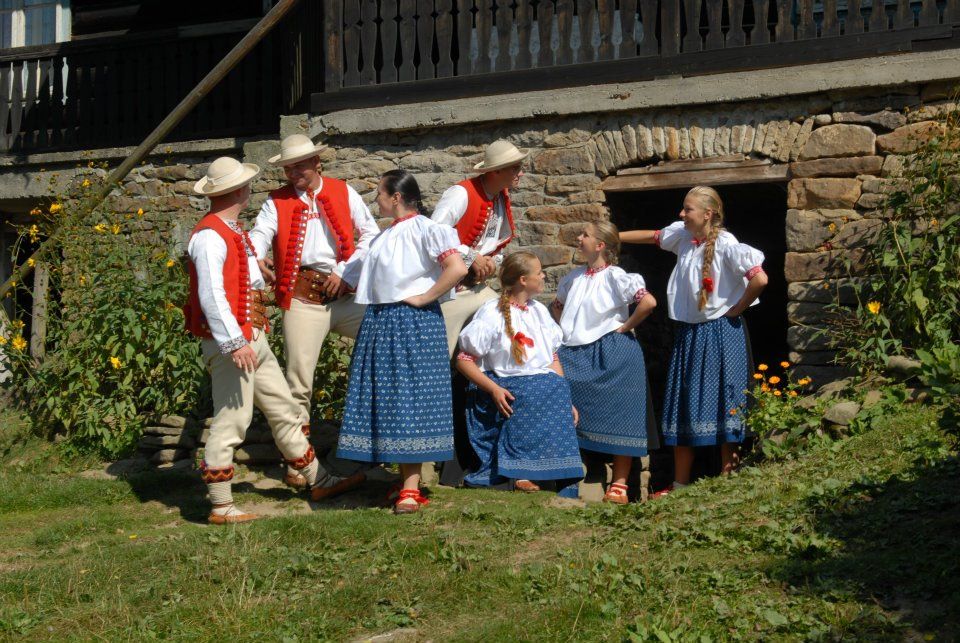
(690, 165)
(38, 325)
(690, 178)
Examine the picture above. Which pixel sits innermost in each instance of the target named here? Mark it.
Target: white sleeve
(742, 260)
(439, 240)
(265, 228)
(671, 237)
(450, 209)
(563, 288)
(629, 287)
(364, 224)
(476, 338)
(552, 330)
(209, 252)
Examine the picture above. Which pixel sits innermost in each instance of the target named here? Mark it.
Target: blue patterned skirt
(708, 377)
(537, 442)
(608, 385)
(399, 406)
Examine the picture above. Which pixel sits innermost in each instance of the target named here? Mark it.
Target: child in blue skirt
(520, 419)
(398, 406)
(602, 358)
(715, 280)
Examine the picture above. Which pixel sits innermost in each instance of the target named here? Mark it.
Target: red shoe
(402, 507)
(663, 492)
(616, 494)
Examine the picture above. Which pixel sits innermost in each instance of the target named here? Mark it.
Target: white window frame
(18, 23)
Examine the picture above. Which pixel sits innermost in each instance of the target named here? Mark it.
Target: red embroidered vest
(479, 210)
(236, 281)
(333, 204)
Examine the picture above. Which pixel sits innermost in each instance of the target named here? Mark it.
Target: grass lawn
(858, 539)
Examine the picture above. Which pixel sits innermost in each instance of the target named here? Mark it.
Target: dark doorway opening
(756, 215)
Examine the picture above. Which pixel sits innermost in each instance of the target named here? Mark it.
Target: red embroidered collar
(592, 271)
(522, 307)
(401, 219)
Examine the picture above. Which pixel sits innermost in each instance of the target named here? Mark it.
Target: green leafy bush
(116, 350)
(775, 414)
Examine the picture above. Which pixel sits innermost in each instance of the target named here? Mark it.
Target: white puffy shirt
(596, 302)
(451, 208)
(734, 264)
(319, 248)
(403, 261)
(208, 252)
(485, 340)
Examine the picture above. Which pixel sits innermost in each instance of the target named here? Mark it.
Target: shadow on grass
(900, 548)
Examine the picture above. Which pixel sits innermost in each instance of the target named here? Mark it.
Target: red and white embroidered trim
(753, 272)
(592, 271)
(640, 294)
(466, 357)
(656, 237)
(446, 253)
(522, 307)
(406, 218)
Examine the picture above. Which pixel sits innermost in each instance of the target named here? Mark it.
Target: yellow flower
(169, 305)
(82, 280)
(762, 367)
(55, 208)
(832, 227)
(34, 233)
(3, 340)
(140, 212)
(31, 262)
(784, 364)
(765, 388)
(12, 285)
(792, 393)
(19, 343)
(171, 263)
(804, 381)
(934, 223)
(777, 393)
(115, 362)
(100, 227)
(115, 228)
(874, 307)
(758, 376)
(86, 183)
(17, 324)
(774, 380)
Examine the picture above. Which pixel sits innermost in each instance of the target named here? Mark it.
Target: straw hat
(498, 155)
(225, 175)
(296, 147)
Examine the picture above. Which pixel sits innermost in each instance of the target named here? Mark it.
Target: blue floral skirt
(608, 385)
(399, 407)
(707, 379)
(537, 442)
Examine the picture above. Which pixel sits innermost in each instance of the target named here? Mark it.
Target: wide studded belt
(258, 309)
(309, 287)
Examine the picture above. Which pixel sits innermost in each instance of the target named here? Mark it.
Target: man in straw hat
(311, 224)
(479, 209)
(225, 308)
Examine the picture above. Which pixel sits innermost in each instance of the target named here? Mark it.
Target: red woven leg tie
(215, 474)
(301, 463)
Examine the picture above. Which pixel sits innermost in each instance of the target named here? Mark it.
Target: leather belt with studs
(309, 287)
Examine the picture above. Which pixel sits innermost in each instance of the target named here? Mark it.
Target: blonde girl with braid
(602, 358)
(520, 419)
(715, 280)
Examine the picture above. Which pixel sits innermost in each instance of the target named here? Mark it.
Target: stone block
(858, 234)
(806, 230)
(432, 161)
(809, 266)
(257, 454)
(599, 165)
(842, 290)
(167, 456)
(809, 338)
(809, 194)
(537, 233)
(893, 165)
(838, 141)
(813, 358)
(572, 183)
(183, 441)
(629, 136)
(886, 119)
(551, 255)
(842, 413)
(570, 232)
(853, 166)
(568, 214)
(871, 201)
(593, 196)
(909, 138)
(605, 157)
(803, 312)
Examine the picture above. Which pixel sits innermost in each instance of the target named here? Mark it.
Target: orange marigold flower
(784, 364)
(758, 376)
(733, 411)
(774, 380)
(762, 367)
(777, 393)
(792, 393)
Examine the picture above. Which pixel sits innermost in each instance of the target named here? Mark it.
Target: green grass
(854, 540)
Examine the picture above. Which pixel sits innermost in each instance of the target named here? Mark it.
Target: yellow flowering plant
(117, 354)
(774, 413)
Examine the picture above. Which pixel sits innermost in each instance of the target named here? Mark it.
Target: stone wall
(843, 150)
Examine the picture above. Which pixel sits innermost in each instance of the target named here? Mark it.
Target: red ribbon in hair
(708, 284)
(523, 340)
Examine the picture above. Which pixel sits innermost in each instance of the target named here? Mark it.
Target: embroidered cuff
(656, 237)
(753, 272)
(466, 357)
(446, 253)
(231, 345)
(643, 292)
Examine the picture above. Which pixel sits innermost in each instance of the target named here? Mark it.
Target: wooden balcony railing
(409, 50)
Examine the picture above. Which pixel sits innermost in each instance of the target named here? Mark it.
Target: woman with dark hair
(398, 406)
